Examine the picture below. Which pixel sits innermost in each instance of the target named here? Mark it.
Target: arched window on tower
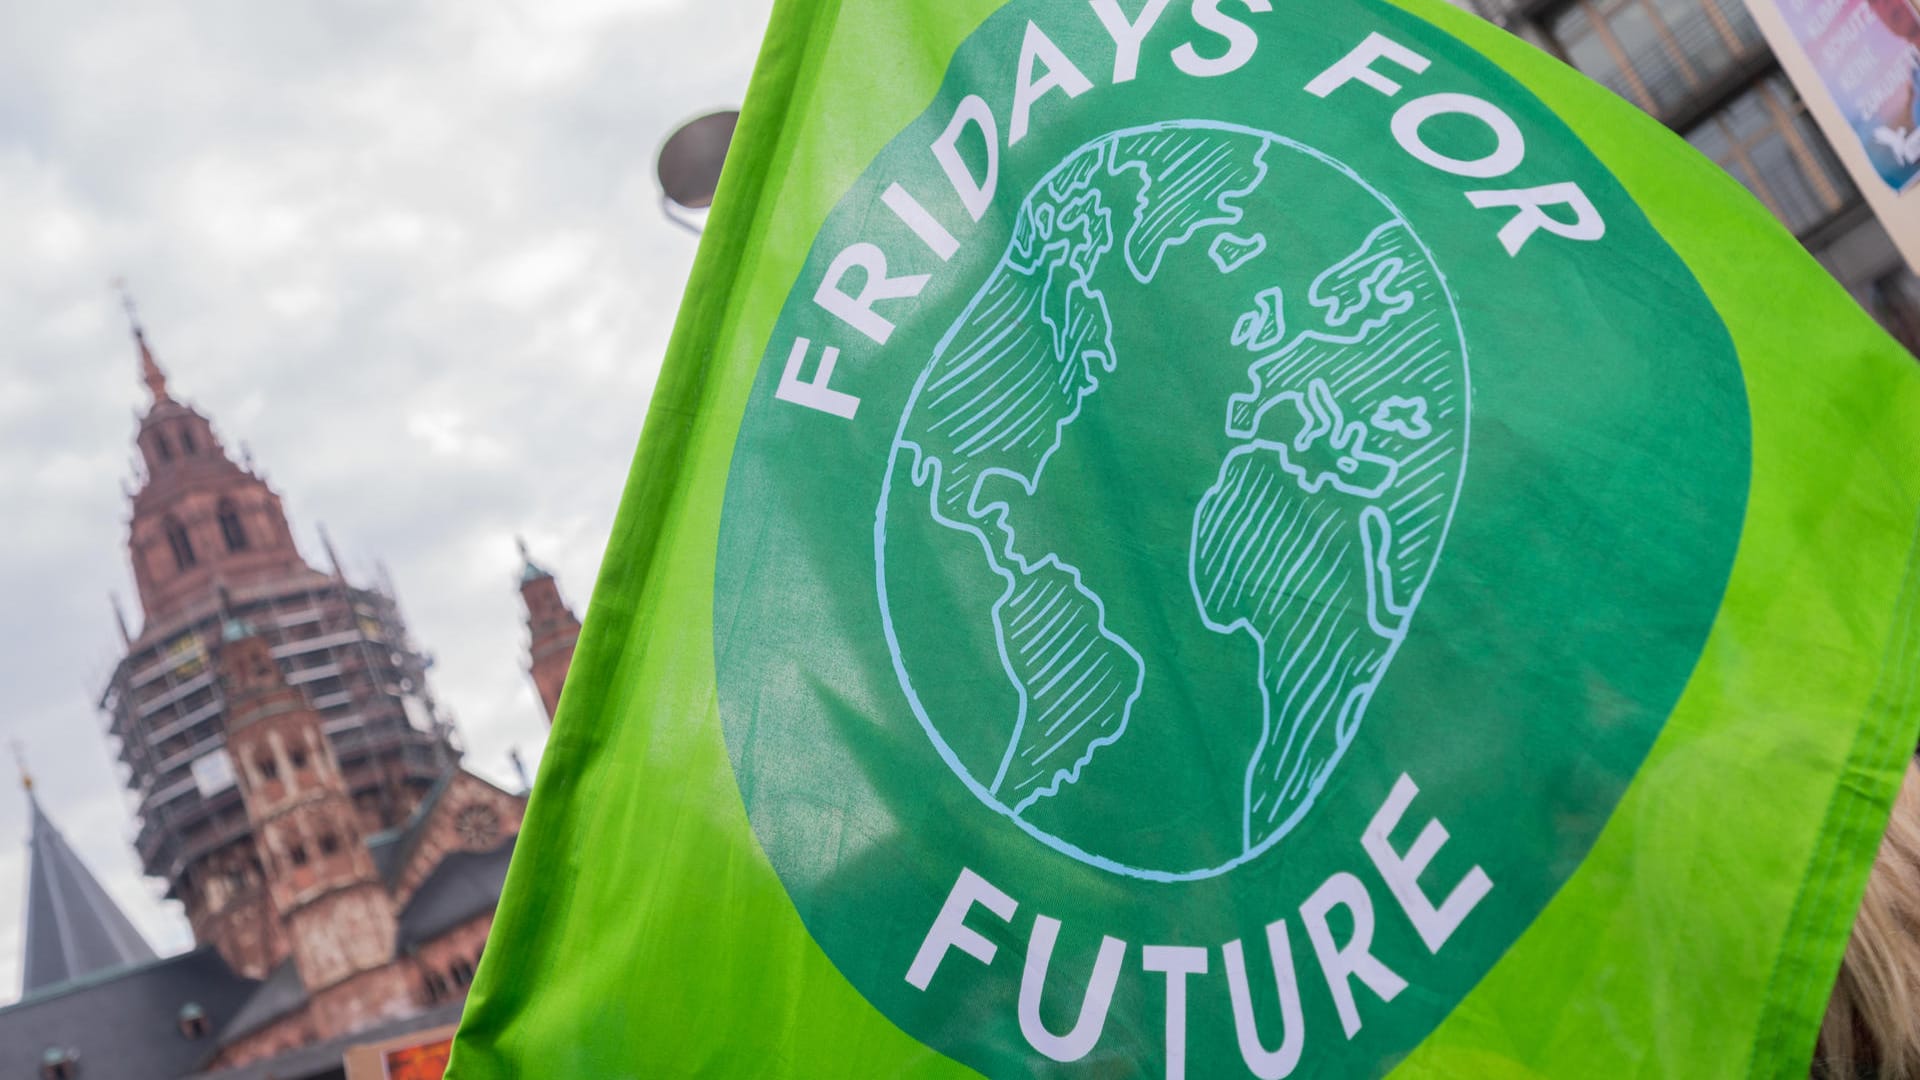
(181, 543)
(230, 528)
(162, 447)
(186, 441)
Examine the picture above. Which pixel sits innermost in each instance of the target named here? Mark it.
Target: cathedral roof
(125, 1022)
(74, 928)
(465, 884)
(279, 994)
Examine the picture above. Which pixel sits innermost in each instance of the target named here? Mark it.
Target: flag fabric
(1222, 538)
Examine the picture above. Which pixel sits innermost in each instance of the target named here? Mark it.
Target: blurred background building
(1702, 68)
(298, 791)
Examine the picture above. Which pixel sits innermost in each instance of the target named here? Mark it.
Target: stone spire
(150, 372)
(552, 631)
(73, 927)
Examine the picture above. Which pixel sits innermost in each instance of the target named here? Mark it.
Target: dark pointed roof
(465, 884)
(73, 927)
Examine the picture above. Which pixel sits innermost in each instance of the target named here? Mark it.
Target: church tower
(199, 518)
(325, 888)
(552, 631)
(209, 540)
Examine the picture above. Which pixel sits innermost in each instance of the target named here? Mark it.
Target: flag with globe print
(1223, 538)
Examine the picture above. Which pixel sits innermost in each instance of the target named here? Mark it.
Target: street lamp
(689, 166)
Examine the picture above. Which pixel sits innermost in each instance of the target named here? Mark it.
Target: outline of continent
(1334, 488)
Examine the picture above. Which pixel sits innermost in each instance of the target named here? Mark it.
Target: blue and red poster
(1868, 55)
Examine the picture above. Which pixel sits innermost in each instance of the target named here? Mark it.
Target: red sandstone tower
(202, 525)
(324, 885)
(552, 630)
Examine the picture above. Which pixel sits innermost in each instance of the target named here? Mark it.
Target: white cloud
(408, 253)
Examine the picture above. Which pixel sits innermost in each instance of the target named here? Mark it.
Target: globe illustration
(1168, 492)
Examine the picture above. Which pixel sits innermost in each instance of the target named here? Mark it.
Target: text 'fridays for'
(1044, 71)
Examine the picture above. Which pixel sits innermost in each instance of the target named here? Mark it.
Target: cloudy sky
(410, 253)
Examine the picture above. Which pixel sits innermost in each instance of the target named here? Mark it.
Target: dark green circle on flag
(1230, 471)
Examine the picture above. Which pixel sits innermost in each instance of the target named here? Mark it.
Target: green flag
(1222, 538)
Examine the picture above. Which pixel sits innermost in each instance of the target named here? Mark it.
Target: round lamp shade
(690, 162)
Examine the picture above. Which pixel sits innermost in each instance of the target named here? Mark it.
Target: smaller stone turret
(338, 914)
(552, 630)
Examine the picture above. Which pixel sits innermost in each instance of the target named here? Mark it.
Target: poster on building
(419, 1055)
(1867, 53)
(428, 1062)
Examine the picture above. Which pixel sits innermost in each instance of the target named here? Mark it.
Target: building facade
(297, 790)
(1702, 68)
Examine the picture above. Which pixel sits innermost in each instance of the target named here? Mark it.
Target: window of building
(1656, 53)
(462, 973)
(187, 442)
(1767, 141)
(182, 545)
(269, 768)
(297, 855)
(436, 986)
(329, 844)
(193, 1020)
(230, 528)
(297, 757)
(162, 447)
(478, 826)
